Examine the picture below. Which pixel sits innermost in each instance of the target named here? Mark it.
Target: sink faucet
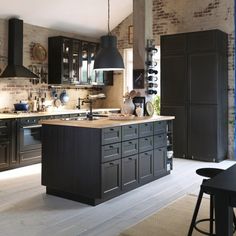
(90, 114)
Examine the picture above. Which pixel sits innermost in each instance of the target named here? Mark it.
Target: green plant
(156, 103)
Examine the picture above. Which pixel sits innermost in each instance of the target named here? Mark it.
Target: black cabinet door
(111, 178)
(203, 132)
(173, 79)
(129, 172)
(4, 155)
(159, 161)
(203, 77)
(145, 167)
(179, 128)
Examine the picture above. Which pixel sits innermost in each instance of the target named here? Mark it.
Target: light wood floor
(26, 210)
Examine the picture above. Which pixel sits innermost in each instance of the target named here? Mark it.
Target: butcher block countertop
(53, 113)
(105, 122)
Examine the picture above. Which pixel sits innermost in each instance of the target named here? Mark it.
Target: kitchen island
(93, 161)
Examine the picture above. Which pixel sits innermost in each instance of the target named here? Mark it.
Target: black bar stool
(208, 173)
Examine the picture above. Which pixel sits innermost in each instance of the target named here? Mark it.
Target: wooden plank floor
(26, 210)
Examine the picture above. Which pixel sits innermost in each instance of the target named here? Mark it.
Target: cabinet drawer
(145, 129)
(111, 135)
(111, 152)
(160, 140)
(129, 132)
(145, 144)
(129, 147)
(159, 127)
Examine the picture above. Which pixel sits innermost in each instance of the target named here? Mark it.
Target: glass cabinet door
(96, 77)
(76, 62)
(66, 48)
(84, 68)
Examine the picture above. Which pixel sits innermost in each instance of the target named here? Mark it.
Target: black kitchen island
(93, 161)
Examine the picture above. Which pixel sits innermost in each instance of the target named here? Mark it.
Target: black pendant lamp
(108, 57)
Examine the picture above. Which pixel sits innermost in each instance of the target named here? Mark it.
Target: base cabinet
(4, 155)
(111, 178)
(145, 167)
(121, 159)
(129, 172)
(159, 162)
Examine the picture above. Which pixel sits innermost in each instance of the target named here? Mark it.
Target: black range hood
(15, 66)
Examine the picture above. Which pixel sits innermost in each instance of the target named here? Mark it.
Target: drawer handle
(130, 127)
(146, 139)
(111, 146)
(130, 142)
(146, 153)
(111, 129)
(159, 136)
(130, 158)
(111, 164)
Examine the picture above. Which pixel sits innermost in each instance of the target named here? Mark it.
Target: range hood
(15, 66)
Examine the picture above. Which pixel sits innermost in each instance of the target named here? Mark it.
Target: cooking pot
(64, 97)
(21, 106)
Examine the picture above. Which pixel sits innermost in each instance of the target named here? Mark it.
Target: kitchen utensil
(64, 97)
(21, 106)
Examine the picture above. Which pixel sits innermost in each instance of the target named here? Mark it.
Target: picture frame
(130, 34)
(138, 78)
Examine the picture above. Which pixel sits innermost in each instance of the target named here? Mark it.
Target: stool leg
(195, 212)
(211, 214)
(234, 220)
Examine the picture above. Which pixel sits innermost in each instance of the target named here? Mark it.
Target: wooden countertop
(62, 112)
(105, 122)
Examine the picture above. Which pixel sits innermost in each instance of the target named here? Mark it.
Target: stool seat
(209, 172)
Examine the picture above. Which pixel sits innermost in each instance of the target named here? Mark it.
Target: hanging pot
(21, 106)
(64, 97)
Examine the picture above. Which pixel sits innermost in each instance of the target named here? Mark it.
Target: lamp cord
(109, 32)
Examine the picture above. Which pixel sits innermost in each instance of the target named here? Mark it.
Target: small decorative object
(64, 97)
(128, 106)
(39, 53)
(139, 111)
(139, 102)
(121, 117)
(156, 104)
(138, 79)
(149, 108)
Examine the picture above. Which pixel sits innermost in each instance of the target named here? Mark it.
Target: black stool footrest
(200, 230)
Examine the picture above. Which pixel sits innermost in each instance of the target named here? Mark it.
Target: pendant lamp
(108, 57)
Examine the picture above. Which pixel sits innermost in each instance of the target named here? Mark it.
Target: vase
(128, 107)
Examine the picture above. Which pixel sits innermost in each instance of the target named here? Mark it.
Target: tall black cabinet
(194, 90)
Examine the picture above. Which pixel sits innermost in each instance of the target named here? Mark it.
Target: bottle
(152, 78)
(152, 49)
(152, 85)
(151, 71)
(34, 105)
(151, 91)
(151, 63)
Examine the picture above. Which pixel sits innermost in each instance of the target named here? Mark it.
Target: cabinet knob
(111, 164)
(130, 142)
(111, 146)
(130, 158)
(111, 129)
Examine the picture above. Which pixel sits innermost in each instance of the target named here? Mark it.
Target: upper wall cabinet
(70, 61)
